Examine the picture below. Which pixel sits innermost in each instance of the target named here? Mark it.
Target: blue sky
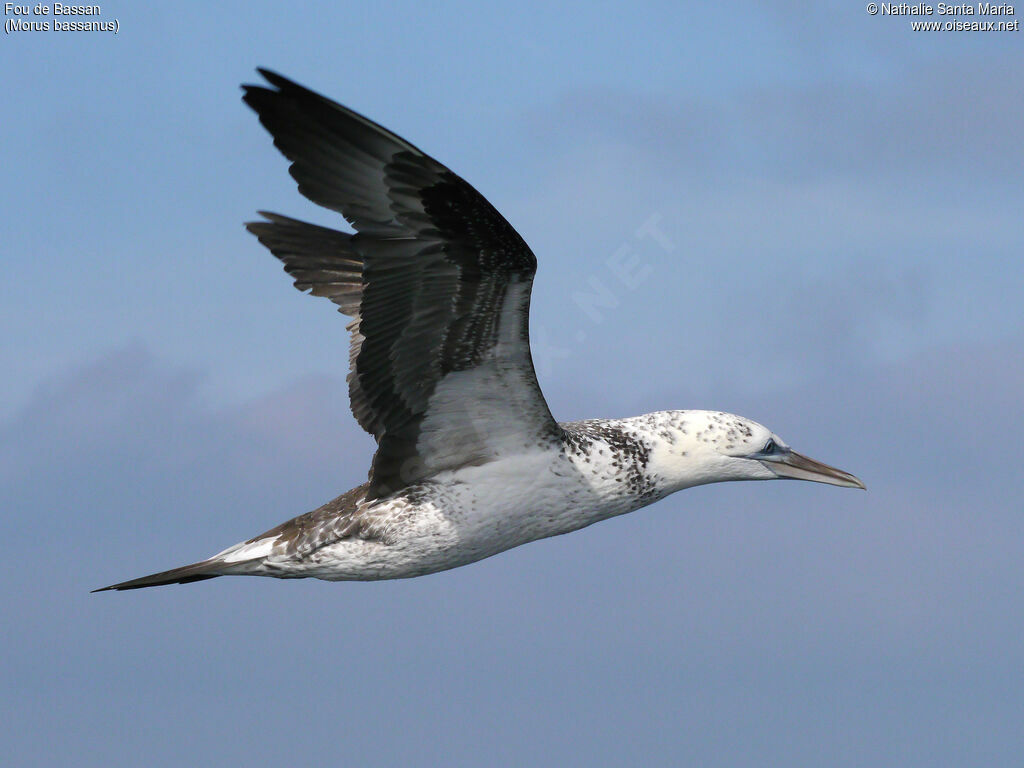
(800, 213)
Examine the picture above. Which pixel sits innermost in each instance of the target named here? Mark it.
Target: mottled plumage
(469, 460)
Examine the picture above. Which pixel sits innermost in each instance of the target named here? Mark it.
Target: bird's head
(699, 447)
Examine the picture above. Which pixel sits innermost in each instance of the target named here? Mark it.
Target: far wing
(436, 280)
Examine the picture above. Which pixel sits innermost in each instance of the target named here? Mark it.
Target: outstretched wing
(436, 281)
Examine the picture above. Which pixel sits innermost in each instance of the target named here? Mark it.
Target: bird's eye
(769, 448)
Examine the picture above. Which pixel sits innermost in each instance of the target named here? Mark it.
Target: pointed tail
(207, 569)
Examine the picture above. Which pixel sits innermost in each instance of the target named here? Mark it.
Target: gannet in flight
(469, 460)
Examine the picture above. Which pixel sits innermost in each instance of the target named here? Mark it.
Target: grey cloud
(127, 439)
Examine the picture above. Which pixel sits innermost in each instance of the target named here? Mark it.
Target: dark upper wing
(436, 281)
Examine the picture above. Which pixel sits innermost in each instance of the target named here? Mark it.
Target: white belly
(460, 517)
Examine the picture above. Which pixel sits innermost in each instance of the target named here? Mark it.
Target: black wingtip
(278, 81)
(270, 75)
(269, 217)
(273, 78)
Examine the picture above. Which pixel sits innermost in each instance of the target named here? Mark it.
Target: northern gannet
(469, 460)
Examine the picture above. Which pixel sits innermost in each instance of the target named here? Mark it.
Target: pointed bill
(796, 466)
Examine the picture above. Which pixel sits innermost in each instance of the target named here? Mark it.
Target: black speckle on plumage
(629, 452)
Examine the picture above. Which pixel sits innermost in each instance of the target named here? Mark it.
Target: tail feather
(183, 575)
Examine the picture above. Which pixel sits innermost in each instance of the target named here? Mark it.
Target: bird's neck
(642, 459)
(633, 462)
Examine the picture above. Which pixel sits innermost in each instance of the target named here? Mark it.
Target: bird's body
(470, 461)
(599, 469)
